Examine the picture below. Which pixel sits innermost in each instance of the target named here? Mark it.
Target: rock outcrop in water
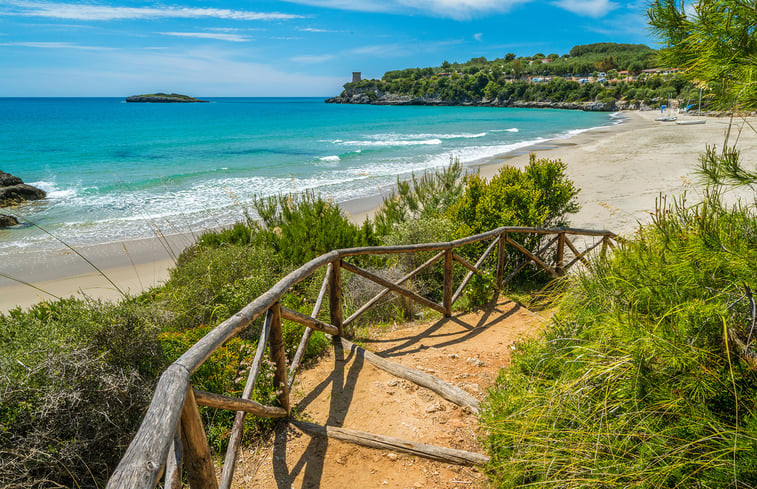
(7, 221)
(14, 191)
(164, 98)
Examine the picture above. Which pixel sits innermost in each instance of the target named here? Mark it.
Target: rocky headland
(375, 96)
(14, 191)
(164, 98)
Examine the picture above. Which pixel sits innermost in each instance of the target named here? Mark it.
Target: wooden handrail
(145, 458)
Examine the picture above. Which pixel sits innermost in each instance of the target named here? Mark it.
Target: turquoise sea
(116, 171)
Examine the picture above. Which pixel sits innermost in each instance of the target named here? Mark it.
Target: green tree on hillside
(716, 45)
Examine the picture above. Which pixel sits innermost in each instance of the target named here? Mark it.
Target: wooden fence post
(199, 465)
(448, 282)
(335, 296)
(279, 357)
(560, 254)
(501, 259)
(174, 463)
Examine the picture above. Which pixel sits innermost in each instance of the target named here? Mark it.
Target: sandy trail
(343, 390)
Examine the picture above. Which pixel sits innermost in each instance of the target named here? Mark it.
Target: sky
(269, 48)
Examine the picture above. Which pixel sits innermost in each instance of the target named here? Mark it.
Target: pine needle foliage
(715, 42)
(637, 382)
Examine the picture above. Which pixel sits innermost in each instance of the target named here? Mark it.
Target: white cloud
(313, 59)
(106, 12)
(455, 9)
(458, 9)
(219, 36)
(313, 29)
(55, 45)
(588, 8)
(478, 36)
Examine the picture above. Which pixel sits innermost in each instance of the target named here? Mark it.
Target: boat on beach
(688, 122)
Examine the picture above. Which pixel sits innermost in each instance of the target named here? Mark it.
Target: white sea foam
(512, 129)
(53, 192)
(330, 158)
(394, 142)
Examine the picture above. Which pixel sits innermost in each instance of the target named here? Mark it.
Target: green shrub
(75, 379)
(301, 227)
(538, 196)
(421, 198)
(212, 283)
(639, 380)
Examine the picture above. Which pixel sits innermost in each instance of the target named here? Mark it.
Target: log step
(435, 384)
(434, 452)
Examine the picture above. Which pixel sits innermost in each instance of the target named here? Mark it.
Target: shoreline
(620, 168)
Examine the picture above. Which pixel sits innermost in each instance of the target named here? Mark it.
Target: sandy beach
(620, 169)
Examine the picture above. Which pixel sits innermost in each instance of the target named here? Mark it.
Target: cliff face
(375, 96)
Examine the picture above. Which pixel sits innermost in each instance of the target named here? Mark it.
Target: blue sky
(278, 48)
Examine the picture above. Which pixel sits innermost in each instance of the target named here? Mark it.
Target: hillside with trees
(601, 76)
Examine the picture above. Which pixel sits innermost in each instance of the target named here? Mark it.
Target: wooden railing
(172, 436)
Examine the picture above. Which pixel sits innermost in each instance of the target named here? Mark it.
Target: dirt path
(343, 390)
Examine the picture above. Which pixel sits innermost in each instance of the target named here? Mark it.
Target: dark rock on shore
(164, 98)
(377, 97)
(7, 221)
(14, 191)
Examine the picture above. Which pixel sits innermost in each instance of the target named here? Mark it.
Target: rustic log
(371, 250)
(533, 257)
(501, 258)
(449, 277)
(582, 255)
(308, 321)
(527, 260)
(279, 358)
(174, 463)
(200, 351)
(577, 253)
(335, 296)
(386, 283)
(462, 261)
(435, 384)
(560, 255)
(219, 401)
(308, 331)
(469, 275)
(448, 455)
(401, 281)
(237, 429)
(200, 471)
(143, 461)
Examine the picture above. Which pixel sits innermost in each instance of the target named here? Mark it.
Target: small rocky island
(14, 191)
(164, 98)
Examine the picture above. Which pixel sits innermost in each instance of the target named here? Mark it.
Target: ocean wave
(330, 158)
(512, 129)
(394, 142)
(55, 193)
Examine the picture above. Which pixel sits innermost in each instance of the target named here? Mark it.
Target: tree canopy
(715, 42)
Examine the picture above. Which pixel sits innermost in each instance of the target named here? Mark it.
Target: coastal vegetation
(76, 375)
(607, 75)
(646, 374)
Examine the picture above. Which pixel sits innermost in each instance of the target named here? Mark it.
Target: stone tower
(356, 77)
